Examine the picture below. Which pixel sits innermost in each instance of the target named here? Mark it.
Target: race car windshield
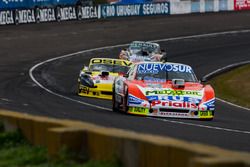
(109, 68)
(136, 48)
(164, 72)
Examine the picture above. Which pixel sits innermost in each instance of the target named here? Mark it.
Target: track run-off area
(46, 85)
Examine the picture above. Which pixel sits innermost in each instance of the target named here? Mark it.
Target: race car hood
(191, 92)
(98, 79)
(139, 58)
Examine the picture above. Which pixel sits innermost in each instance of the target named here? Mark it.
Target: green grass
(15, 151)
(234, 86)
(1, 127)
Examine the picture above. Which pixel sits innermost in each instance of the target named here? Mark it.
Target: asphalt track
(22, 47)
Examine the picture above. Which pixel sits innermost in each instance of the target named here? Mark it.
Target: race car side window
(131, 72)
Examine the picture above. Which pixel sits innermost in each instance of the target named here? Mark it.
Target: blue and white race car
(143, 51)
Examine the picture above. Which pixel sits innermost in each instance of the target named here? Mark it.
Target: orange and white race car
(163, 90)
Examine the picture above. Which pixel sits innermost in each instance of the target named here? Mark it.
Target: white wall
(185, 6)
(180, 7)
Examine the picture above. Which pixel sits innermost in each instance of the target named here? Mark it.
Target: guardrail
(38, 13)
(132, 149)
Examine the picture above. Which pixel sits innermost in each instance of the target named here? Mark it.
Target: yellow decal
(111, 61)
(138, 110)
(205, 114)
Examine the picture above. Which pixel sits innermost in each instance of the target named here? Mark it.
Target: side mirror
(125, 75)
(104, 73)
(88, 72)
(203, 79)
(85, 68)
(163, 51)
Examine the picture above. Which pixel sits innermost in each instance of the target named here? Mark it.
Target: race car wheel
(115, 104)
(125, 103)
(206, 119)
(78, 89)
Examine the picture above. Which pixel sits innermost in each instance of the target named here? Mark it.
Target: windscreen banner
(135, 10)
(241, 4)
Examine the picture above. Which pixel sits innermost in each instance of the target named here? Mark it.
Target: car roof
(144, 42)
(105, 58)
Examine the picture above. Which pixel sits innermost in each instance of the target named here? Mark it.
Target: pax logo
(174, 104)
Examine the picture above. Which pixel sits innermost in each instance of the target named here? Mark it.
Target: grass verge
(234, 86)
(15, 151)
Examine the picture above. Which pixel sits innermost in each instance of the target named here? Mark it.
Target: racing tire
(206, 119)
(78, 89)
(210, 119)
(115, 104)
(164, 59)
(126, 103)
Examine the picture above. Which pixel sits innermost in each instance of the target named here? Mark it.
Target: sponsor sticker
(173, 92)
(152, 98)
(205, 114)
(111, 61)
(174, 104)
(134, 100)
(175, 98)
(138, 110)
(139, 44)
(210, 104)
(174, 114)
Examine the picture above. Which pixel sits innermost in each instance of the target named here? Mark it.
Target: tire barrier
(131, 148)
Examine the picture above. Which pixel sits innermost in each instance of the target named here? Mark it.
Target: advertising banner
(25, 16)
(223, 5)
(195, 6)
(209, 6)
(45, 15)
(62, 13)
(135, 10)
(6, 17)
(25, 4)
(241, 4)
(39, 15)
(66, 13)
(87, 12)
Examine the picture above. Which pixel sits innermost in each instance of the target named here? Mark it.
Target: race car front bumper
(103, 91)
(171, 113)
(143, 107)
